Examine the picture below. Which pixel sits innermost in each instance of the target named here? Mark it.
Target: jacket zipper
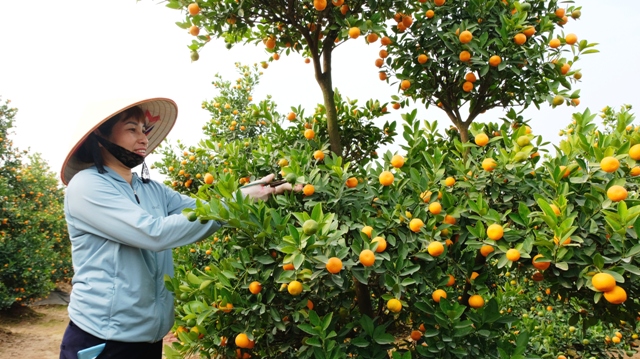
(135, 194)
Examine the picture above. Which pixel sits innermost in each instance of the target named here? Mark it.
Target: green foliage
(266, 241)
(531, 72)
(237, 131)
(313, 29)
(261, 240)
(34, 249)
(528, 74)
(295, 26)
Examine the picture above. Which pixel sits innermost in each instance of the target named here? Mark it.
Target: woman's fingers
(263, 191)
(282, 188)
(268, 178)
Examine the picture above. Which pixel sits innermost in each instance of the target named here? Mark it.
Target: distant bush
(34, 249)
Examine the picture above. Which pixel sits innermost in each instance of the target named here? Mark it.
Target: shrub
(261, 241)
(34, 246)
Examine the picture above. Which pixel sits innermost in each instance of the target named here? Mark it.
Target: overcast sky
(57, 56)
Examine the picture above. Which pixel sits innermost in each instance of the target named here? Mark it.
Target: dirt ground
(34, 332)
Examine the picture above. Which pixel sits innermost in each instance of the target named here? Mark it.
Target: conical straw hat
(161, 115)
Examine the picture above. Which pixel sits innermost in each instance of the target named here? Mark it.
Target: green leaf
(224, 281)
(193, 279)
(204, 315)
(265, 260)
(316, 214)
(507, 319)
(298, 260)
(622, 211)
(314, 318)
(636, 225)
(521, 343)
(205, 284)
(407, 282)
(224, 192)
(327, 321)
(410, 270)
(309, 329)
(229, 274)
(314, 341)
(431, 332)
(550, 216)
(502, 261)
(598, 261)
(574, 319)
(367, 324)
(359, 274)
(295, 235)
(174, 4)
(462, 332)
(168, 283)
(491, 312)
(183, 25)
(630, 268)
(274, 314)
(360, 342)
(616, 275)
(634, 250)
(288, 249)
(484, 70)
(384, 338)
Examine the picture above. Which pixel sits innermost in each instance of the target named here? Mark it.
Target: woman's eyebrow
(135, 123)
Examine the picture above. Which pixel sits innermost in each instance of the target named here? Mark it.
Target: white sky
(56, 56)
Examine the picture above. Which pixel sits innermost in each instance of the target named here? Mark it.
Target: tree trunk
(326, 85)
(463, 129)
(462, 126)
(464, 134)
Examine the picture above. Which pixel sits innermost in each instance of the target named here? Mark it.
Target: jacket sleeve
(97, 207)
(176, 202)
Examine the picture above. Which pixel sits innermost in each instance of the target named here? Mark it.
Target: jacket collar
(116, 176)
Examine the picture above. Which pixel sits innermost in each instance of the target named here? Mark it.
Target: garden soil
(35, 332)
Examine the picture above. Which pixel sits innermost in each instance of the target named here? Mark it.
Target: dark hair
(89, 151)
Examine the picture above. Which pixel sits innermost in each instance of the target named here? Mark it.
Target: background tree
(467, 57)
(480, 54)
(312, 28)
(34, 245)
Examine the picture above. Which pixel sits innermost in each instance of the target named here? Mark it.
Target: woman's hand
(260, 189)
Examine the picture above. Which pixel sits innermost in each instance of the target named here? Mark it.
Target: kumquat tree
(476, 242)
(31, 216)
(313, 29)
(485, 54)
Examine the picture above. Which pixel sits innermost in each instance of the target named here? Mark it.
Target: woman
(122, 229)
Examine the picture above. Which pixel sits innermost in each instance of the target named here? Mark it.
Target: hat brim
(163, 110)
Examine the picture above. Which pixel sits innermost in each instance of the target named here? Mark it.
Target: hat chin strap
(96, 154)
(126, 157)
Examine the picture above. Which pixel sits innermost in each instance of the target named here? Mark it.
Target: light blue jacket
(121, 251)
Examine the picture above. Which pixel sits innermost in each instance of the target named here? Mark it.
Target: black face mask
(128, 158)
